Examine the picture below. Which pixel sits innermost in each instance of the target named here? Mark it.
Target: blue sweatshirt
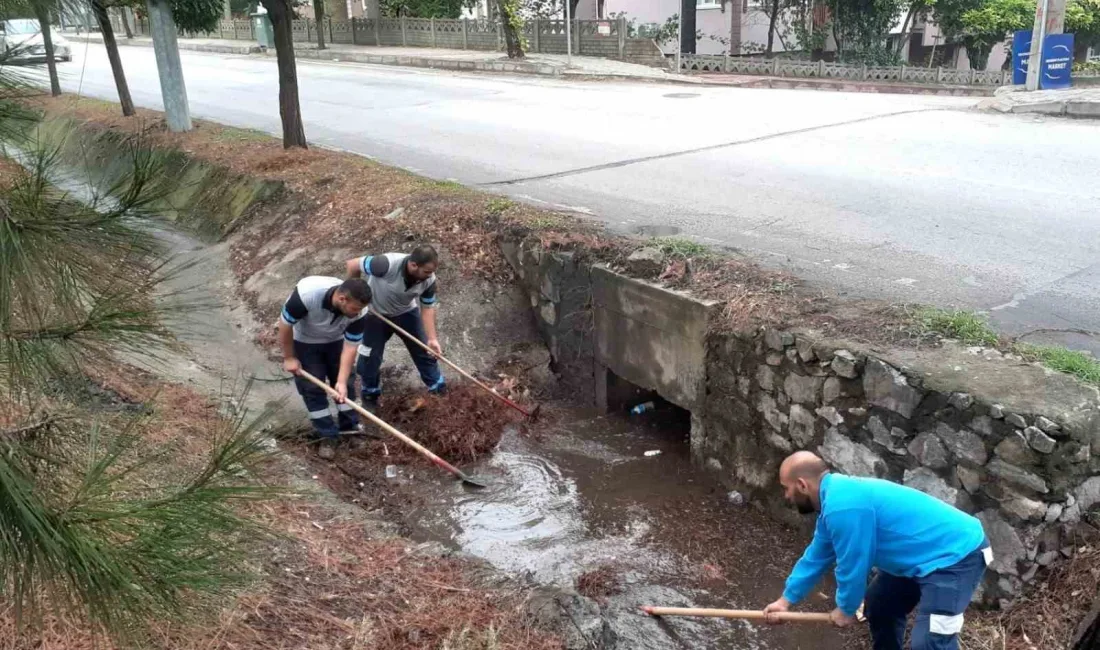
(867, 522)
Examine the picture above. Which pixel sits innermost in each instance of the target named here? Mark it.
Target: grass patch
(965, 326)
(1080, 365)
(973, 329)
(453, 186)
(234, 134)
(498, 205)
(545, 222)
(679, 247)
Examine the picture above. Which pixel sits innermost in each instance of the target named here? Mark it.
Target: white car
(23, 42)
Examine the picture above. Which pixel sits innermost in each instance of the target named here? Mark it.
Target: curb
(195, 47)
(425, 62)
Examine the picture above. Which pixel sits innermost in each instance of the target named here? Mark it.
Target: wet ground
(570, 494)
(580, 492)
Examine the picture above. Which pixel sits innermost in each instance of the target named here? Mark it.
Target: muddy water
(574, 493)
(582, 493)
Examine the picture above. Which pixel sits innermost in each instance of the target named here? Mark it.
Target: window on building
(708, 4)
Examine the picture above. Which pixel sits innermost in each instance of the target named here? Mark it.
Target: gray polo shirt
(392, 292)
(309, 310)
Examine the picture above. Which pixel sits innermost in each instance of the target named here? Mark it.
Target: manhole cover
(681, 95)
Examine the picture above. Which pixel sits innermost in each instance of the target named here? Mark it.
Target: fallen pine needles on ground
(599, 583)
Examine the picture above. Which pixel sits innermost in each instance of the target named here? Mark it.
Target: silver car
(23, 42)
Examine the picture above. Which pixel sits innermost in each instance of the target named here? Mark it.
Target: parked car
(22, 38)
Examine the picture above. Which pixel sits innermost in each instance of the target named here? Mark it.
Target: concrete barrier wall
(650, 336)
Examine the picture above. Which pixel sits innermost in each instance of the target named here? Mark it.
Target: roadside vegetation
(971, 328)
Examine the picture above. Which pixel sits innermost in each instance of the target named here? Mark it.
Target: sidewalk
(583, 67)
(839, 85)
(555, 65)
(1075, 102)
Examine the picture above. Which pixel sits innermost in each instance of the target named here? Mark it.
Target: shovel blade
(474, 481)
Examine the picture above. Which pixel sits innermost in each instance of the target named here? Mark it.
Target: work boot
(326, 449)
(358, 438)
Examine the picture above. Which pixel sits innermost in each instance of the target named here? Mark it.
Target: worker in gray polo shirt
(403, 287)
(319, 332)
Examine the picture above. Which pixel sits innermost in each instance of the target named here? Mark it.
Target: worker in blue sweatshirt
(929, 555)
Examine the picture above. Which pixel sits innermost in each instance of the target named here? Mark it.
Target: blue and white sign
(1057, 62)
(1021, 52)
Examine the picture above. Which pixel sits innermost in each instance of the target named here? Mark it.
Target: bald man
(929, 555)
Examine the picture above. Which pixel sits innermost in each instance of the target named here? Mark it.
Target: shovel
(422, 450)
(533, 414)
(749, 614)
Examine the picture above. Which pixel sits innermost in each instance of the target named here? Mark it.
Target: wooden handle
(750, 614)
(447, 361)
(424, 451)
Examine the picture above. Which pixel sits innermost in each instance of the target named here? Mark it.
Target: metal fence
(603, 38)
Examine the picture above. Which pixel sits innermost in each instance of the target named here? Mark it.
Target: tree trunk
(736, 16)
(112, 55)
(772, 20)
(290, 110)
(319, 17)
(166, 50)
(43, 15)
(124, 11)
(687, 26)
(509, 20)
(906, 25)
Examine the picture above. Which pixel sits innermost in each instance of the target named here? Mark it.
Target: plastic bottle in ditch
(643, 408)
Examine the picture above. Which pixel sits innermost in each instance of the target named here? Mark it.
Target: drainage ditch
(581, 492)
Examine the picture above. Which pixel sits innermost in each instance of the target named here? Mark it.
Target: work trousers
(940, 598)
(322, 360)
(377, 334)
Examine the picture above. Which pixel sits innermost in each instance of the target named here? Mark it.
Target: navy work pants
(322, 360)
(376, 336)
(940, 599)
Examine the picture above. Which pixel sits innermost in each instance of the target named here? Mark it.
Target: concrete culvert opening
(647, 408)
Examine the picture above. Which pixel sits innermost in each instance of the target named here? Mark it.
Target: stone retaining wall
(1007, 441)
(1025, 472)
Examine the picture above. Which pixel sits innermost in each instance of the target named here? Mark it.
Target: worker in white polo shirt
(403, 289)
(319, 332)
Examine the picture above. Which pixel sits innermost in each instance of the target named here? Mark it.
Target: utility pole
(169, 69)
(227, 10)
(1050, 18)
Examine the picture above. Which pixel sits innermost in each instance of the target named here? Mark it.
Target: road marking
(711, 147)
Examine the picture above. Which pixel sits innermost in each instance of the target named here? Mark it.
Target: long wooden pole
(424, 451)
(444, 359)
(749, 614)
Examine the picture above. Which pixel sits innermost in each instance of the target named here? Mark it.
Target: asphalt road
(905, 198)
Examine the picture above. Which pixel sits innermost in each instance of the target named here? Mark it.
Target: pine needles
(98, 522)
